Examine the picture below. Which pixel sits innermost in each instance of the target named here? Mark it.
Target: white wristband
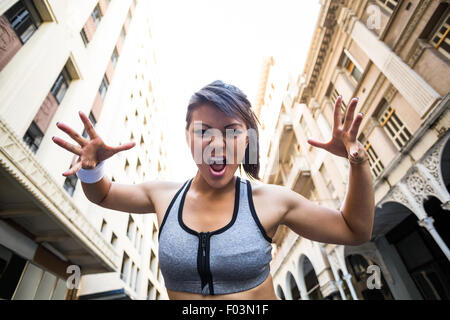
(92, 175)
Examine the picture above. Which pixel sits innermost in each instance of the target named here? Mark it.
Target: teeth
(217, 160)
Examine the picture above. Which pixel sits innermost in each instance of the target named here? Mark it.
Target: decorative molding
(422, 180)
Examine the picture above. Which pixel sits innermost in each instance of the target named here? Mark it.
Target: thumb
(125, 146)
(316, 143)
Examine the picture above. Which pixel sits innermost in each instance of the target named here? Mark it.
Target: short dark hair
(234, 103)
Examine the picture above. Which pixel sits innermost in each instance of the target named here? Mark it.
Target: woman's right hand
(90, 152)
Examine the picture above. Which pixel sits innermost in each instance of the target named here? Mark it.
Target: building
(393, 55)
(57, 58)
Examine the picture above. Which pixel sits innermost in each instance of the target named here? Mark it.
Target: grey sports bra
(233, 258)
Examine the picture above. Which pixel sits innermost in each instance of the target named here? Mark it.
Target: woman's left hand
(343, 142)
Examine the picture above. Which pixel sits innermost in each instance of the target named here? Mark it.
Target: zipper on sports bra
(205, 274)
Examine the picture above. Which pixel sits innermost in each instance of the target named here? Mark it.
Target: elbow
(361, 239)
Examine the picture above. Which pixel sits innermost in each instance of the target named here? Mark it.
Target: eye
(200, 132)
(234, 132)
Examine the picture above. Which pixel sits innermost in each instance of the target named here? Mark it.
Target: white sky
(199, 41)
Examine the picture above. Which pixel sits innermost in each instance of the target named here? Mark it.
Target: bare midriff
(263, 291)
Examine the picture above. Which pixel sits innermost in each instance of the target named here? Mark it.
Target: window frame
(103, 84)
(33, 15)
(376, 165)
(37, 139)
(384, 4)
(394, 127)
(443, 22)
(63, 78)
(96, 15)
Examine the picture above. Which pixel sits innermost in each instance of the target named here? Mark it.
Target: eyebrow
(228, 125)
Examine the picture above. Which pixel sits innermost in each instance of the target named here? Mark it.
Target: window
(24, 19)
(138, 280)
(103, 227)
(61, 85)
(84, 37)
(130, 228)
(440, 37)
(70, 183)
(114, 57)
(103, 87)
(139, 167)
(349, 63)
(125, 271)
(114, 240)
(127, 166)
(394, 127)
(153, 262)
(137, 237)
(33, 137)
(96, 15)
(150, 290)
(375, 163)
(133, 274)
(389, 5)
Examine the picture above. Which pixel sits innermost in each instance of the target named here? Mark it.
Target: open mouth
(217, 165)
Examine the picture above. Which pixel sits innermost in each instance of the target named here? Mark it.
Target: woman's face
(217, 144)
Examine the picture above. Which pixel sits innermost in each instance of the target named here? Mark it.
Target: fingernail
(57, 123)
(362, 114)
(356, 98)
(53, 137)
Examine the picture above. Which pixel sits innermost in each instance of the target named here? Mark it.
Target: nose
(218, 143)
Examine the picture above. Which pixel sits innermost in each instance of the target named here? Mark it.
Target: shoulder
(156, 188)
(267, 189)
(271, 196)
(282, 196)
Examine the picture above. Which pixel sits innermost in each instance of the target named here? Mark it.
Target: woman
(216, 229)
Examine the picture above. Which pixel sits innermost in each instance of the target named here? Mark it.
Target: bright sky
(199, 41)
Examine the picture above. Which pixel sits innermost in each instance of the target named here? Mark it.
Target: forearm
(359, 203)
(97, 192)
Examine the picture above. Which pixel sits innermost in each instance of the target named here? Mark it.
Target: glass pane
(62, 92)
(29, 283)
(60, 290)
(46, 286)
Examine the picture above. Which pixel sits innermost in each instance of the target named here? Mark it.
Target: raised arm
(353, 223)
(132, 198)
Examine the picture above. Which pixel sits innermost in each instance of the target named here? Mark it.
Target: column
(348, 279)
(428, 224)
